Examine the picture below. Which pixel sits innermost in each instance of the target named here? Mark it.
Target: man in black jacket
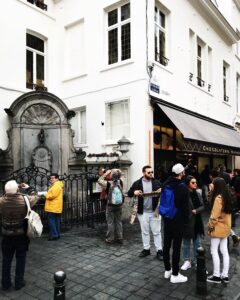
(173, 228)
(147, 204)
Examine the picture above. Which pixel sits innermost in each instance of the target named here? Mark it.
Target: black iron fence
(81, 204)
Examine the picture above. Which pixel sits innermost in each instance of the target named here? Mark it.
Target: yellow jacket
(219, 224)
(54, 198)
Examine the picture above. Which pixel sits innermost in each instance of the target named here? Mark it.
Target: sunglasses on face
(151, 172)
(193, 182)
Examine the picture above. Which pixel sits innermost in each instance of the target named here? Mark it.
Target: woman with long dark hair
(194, 229)
(219, 226)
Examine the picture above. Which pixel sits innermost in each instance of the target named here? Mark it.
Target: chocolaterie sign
(201, 147)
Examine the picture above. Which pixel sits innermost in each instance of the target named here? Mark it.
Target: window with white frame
(238, 92)
(238, 48)
(117, 119)
(35, 61)
(39, 3)
(200, 63)
(78, 124)
(209, 66)
(225, 82)
(119, 34)
(160, 36)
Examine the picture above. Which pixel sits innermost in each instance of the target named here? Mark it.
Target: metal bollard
(201, 275)
(59, 285)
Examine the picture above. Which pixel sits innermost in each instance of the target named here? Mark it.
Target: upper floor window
(117, 119)
(200, 82)
(119, 34)
(35, 62)
(238, 48)
(160, 37)
(38, 3)
(79, 126)
(200, 63)
(238, 92)
(225, 82)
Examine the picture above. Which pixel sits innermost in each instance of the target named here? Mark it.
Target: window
(225, 82)
(200, 64)
(238, 92)
(38, 3)
(35, 62)
(191, 54)
(117, 119)
(209, 66)
(79, 126)
(160, 37)
(119, 34)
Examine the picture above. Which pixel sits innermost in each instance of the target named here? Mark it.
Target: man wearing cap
(145, 209)
(13, 211)
(173, 228)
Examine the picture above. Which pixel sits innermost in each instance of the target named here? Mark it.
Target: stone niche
(40, 134)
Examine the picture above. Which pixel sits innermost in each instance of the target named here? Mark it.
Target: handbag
(35, 226)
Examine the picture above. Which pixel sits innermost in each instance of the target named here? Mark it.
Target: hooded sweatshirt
(181, 198)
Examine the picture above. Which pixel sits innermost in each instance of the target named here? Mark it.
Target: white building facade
(124, 66)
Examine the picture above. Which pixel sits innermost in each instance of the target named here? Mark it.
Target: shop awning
(201, 130)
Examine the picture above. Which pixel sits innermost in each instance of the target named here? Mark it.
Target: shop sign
(205, 148)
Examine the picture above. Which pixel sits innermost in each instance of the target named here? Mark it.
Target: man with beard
(147, 204)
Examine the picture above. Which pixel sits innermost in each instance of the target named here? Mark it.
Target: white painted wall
(79, 26)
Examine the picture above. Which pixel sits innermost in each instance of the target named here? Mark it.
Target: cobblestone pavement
(98, 271)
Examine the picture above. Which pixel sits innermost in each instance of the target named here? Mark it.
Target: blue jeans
(54, 224)
(186, 248)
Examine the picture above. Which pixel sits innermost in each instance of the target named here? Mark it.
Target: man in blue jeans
(54, 206)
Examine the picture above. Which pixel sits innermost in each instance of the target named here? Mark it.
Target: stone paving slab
(99, 271)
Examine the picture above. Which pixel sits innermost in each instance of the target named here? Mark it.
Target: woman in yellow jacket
(219, 226)
(54, 206)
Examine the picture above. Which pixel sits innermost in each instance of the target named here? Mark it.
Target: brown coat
(13, 211)
(219, 224)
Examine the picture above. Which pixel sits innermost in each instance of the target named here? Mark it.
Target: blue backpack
(167, 206)
(115, 194)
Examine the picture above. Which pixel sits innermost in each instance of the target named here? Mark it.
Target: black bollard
(59, 285)
(201, 276)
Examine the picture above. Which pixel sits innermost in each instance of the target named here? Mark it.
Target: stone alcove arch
(40, 132)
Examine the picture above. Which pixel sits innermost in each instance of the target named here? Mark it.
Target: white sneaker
(186, 265)
(167, 274)
(178, 279)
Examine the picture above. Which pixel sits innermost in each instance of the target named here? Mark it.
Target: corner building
(164, 74)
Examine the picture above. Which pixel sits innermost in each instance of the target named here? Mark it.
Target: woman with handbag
(219, 226)
(194, 229)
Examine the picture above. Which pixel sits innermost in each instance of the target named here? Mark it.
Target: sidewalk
(98, 271)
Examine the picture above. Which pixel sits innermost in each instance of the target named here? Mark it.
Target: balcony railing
(190, 76)
(33, 86)
(200, 82)
(161, 59)
(38, 3)
(226, 98)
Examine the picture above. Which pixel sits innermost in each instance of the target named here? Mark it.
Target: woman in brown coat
(219, 226)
